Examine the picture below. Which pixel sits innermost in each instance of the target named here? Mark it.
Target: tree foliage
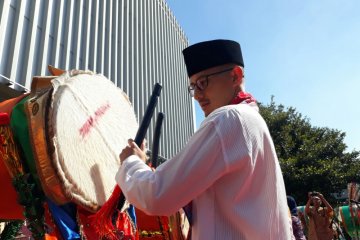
(311, 158)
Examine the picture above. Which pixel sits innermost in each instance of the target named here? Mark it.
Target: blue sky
(304, 53)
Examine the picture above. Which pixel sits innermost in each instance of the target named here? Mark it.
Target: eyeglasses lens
(201, 84)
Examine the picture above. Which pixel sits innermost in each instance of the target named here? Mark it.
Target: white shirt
(230, 172)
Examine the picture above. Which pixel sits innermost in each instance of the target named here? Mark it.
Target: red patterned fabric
(100, 225)
(152, 227)
(9, 207)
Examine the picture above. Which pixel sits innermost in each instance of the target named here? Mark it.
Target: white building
(135, 43)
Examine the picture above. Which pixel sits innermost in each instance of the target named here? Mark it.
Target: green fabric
(302, 209)
(349, 222)
(28, 185)
(20, 128)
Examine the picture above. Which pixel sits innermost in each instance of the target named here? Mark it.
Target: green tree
(311, 158)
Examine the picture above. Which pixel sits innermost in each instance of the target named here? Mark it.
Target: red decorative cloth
(243, 96)
(123, 228)
(102, 220)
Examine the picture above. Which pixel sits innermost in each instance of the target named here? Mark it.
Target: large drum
(78, 128)
(70, 132)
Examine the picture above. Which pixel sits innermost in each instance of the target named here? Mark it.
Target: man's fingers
(143, 145)
(134, 145)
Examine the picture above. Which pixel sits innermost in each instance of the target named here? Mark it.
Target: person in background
(304, 219)
(228, 172)
(320, 214)
(296, 222)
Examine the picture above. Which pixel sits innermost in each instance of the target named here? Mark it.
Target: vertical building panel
(78, 33)
(121, 44)
(4, 20)
(94, 35)
(126, 46)
(44, 40)
(114, 41)
(68, 31)
(131, 53)
(137, 66)
(85, 43)
(170, 107)
(141, 57)
(58, 26)
(30, 43)
(108, 37)
(17, 33)
(101, 36)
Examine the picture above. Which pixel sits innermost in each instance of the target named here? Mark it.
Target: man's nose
(198, 94)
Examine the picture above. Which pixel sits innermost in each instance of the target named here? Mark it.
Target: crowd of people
(317, 221)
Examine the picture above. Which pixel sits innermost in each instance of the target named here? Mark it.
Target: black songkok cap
(204, 55)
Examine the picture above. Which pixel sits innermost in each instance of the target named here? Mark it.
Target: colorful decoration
(37, 200)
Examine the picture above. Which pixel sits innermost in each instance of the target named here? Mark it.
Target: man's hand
(133, 149)
(320, 196)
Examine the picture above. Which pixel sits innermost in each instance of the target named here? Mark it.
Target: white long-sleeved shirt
(230, 172)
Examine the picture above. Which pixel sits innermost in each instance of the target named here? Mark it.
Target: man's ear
(238, 75)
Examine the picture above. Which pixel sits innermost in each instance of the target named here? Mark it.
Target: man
(228, 169)
(320, 227)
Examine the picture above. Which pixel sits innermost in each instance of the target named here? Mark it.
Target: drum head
(89, 122)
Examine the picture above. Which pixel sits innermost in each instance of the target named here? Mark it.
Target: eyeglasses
(203, 81)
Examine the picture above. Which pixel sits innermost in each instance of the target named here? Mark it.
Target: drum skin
(78, 130)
